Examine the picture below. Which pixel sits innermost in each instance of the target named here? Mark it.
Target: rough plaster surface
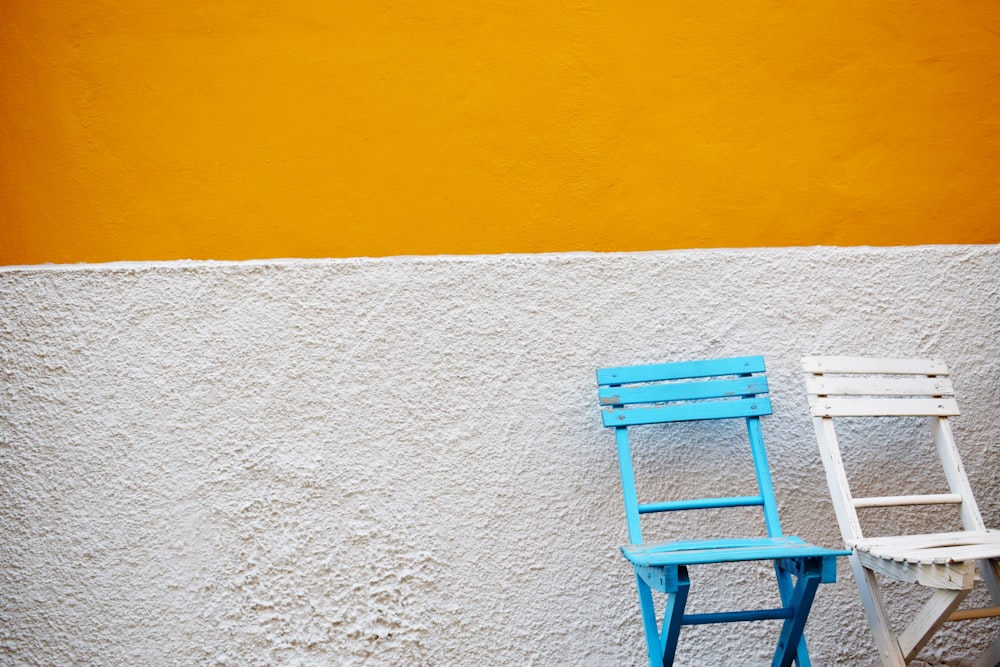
(400, 461)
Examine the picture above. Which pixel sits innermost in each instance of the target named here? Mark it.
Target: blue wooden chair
(697, 390)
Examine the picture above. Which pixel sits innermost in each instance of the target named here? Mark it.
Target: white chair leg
(885, 638)
(928, 620)
(989, 570)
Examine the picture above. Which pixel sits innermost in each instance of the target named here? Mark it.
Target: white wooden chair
(945, 562)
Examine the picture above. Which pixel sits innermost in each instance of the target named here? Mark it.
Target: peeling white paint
(400, 461)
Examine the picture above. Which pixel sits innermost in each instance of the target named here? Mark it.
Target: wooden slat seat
(725, 551)
(939, 548)
(951, 562)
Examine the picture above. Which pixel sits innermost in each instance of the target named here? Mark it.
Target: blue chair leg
(791, 642)
(661, 646)
(649, 622)
(786, 587)
(673, 615)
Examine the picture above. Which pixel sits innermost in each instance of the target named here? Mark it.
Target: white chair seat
(934, 548)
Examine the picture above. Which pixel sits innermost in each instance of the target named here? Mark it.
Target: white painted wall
(400, 461)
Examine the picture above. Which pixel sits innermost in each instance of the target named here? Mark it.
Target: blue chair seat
(701, 552)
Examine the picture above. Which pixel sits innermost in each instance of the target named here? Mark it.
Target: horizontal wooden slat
(878, 386)
(978, 612)
(680, 370)
(902, 501)
(874, 365)
(923, 540)
(701, 504)
(738, 616)
(725, 551)
(882, 407)
(682, 391)
(746, 407)
(943, 555)
(721, 543)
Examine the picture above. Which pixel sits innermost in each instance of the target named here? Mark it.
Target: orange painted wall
(233, 129)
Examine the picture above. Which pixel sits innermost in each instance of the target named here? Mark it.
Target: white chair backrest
(874, 387)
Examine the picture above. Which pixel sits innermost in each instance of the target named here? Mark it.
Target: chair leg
(929, 620)
(660, 647)
(649, 623)
(878, 621)
(989, 570)
(673, 615)
(791, 642)
(786, 587)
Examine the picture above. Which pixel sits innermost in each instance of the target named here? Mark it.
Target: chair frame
(946, 562)
(731, 388)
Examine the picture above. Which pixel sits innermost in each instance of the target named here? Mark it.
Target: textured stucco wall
(400, 461)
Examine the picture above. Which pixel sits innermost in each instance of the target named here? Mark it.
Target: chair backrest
(877, 387)
(687, 391)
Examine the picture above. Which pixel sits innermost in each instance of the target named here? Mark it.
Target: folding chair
(699, 390)
(945, 562)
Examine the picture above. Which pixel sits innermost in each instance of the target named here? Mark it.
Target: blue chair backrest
(687, 391)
